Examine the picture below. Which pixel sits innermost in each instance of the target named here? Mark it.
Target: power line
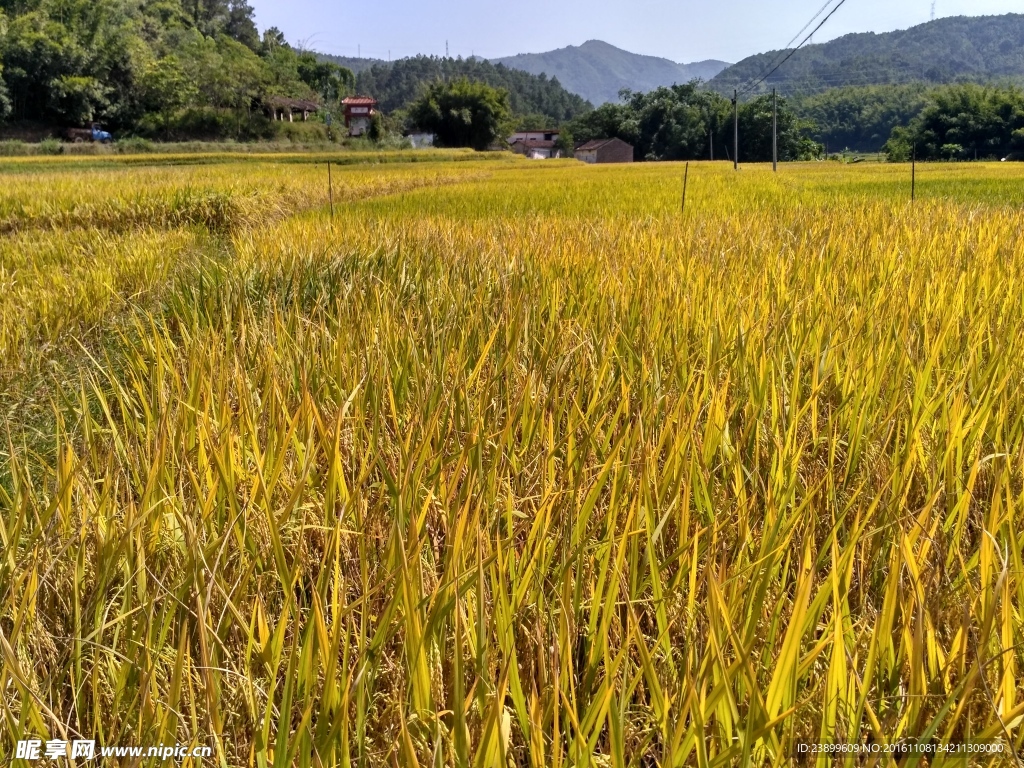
(802, 30)
(808, 83)
(802, 43)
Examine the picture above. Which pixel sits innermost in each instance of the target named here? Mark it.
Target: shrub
(134, 145)
(207, 124)
(463, 114)
(13, 148)
(51, 147)
(300, 133)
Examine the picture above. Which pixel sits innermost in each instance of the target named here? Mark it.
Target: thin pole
(775, 131)
(686, 177)
(711, 143)
(735, 130)
(913, 173)
(330, 188)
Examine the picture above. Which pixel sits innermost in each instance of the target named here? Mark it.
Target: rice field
(512, 463)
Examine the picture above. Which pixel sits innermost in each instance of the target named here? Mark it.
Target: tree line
(691, 122)
(685, 122)
(155, 67)
(201, 69)
(954, 122)
(535, 100)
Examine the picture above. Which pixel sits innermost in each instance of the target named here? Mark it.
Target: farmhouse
(545, 134)
(536, 145)
(536, 149)
(359, 110)
(605, 151)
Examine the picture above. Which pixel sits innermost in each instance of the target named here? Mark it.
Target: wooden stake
(686, 177)
(913, 174)
(330, 188)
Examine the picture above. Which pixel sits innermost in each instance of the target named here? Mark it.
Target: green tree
(331, 81)
(233, 18)
(72, 61)
(681, 122)
(900, 146)
(37, 52)
(226, 73)
(674, 123)
(862, 117)
(78, 99)
(755, 123)
(165, 87)
(605, 122)
(963, 122)
(5, 99)
(378, 129)
(463, 113)
(240, 25)
(149, 65)
(397, 84)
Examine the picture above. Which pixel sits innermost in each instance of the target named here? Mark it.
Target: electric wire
(803, 42)
(803, 29)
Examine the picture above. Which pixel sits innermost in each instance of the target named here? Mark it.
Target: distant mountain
(597, 71)
(357, 65)
(959, 48)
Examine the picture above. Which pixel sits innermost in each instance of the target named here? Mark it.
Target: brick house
(605, 151)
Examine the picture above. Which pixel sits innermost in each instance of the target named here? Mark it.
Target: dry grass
(515, 465)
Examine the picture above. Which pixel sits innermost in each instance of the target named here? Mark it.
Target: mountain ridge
(597, 70)
(948, 50)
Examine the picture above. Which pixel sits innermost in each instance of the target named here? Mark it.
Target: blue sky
(682, 30)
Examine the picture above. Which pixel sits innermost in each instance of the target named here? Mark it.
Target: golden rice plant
(519, 465)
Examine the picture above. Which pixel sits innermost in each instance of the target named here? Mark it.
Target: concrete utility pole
(775, 131)
(735, 130)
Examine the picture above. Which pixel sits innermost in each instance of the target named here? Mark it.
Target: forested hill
(985, 48)
(533, 98)
(353, 63)
(164, 68)
(598, 70)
